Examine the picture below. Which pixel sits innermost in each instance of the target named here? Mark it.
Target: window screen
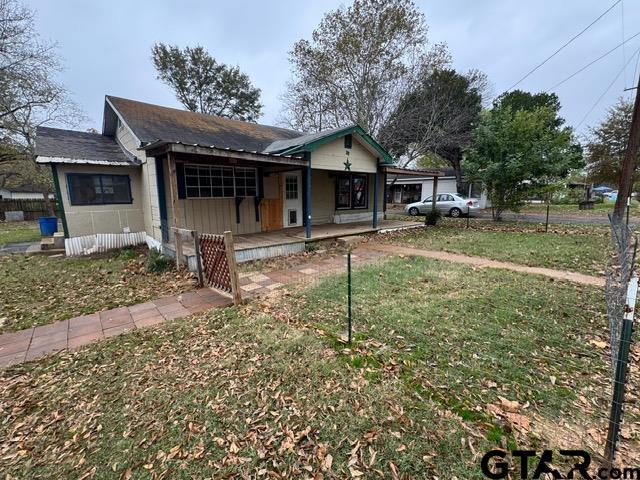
(98, 189)
(213, 181)
(343, 192)
(351, 191)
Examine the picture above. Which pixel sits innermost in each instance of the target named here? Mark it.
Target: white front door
(292, 195)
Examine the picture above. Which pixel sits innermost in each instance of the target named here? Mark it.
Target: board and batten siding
(209, 215)
(332, 155)
(93, 219)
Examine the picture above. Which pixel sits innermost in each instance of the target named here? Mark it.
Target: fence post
(177, 240)
(349, 296)
(233, 270)
(546, 225)
(619, 383)
(196, 247)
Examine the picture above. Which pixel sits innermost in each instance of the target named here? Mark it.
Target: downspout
(61, 214)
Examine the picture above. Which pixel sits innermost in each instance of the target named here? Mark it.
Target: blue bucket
(48, 226)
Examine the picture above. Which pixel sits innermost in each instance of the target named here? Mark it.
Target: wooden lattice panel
(214, 262)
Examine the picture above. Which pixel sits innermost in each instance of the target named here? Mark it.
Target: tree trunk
(48, 204)
(454, 157)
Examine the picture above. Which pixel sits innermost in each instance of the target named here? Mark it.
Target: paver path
(485, 262)
(25, 345)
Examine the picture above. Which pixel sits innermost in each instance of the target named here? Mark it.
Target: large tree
(30, 95)
(436, 117)
(359, 62)
(516, 152)
(607, 144)
(205, 85)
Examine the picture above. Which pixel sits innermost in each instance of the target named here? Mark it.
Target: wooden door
(271, 211)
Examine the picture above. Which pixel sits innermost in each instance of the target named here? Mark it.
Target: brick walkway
(35, 342)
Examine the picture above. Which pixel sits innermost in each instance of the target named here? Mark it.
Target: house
(153, 168)
(403, 189)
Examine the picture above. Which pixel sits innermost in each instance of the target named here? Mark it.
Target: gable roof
(151, 123)
(308, 143)
(55, 145)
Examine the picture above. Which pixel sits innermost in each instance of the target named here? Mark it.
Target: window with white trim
(213, 181)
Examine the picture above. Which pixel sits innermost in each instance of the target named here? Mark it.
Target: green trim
(310, 147)
(56, 184)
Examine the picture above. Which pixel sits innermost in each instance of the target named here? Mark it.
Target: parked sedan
(452, 204)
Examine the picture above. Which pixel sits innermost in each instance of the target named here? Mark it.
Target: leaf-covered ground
(599, 209)
(18, 232)
(37, 290)
(578, 248)
(449, 361)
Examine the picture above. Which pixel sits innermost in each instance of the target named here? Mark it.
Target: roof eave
(42, 159)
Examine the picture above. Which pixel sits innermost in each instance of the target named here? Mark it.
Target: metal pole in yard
(468, 214)
(546, 225)
(615, 418)
(349, 296)
(628, 207)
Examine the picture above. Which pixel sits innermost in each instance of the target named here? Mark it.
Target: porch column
(307, 194)
(385, 192)
(433, 195)
(374, 224)
(173, 189)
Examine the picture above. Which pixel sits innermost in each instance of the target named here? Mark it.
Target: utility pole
(629, 162)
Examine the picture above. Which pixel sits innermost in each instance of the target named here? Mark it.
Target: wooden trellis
(219, 263)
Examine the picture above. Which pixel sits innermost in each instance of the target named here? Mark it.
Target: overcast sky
(106, 45)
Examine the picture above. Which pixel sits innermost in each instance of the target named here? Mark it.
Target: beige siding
(128, 140)
(92, 219)
(323, 199)
(217, 215)
(332, 156)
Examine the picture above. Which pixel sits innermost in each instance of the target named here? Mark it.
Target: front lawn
(18, 232)
(37, 290)
(449, 362)
(599, 209)
(578, 248)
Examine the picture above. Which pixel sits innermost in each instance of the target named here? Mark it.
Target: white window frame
(199, 166)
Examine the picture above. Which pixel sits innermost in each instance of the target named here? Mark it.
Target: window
(291, 187)
(351, 191)
(348, 141)
(98, 189)
(445, 197)
(212, 181)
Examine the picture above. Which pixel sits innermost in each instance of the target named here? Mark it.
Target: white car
(452, 204)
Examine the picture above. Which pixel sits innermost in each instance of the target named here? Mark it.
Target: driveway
(10, 248)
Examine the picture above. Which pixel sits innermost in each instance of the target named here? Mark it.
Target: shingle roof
(153, 122)
(70, 146)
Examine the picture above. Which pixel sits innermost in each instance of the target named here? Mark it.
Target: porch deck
(296, 235)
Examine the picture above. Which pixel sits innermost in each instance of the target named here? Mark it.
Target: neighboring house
(21, 192)
(403, 189)
(154, 168)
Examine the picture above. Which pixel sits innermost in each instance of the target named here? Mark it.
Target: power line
(637, 52)
(563, 46)
(592, 62)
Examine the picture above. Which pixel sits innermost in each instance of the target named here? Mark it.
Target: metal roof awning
(412, 173)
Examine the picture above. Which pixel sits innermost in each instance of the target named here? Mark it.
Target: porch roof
(161, 147)
(412, 173)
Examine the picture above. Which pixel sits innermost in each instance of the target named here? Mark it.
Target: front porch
(255, 246)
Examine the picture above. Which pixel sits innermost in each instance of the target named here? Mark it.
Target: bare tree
(436, 117)
(29, 94)
(357, 65)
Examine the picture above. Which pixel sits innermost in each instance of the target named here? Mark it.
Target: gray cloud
(106, 45)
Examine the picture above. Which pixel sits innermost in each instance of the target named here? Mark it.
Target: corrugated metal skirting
(258, 253)
(102, 242)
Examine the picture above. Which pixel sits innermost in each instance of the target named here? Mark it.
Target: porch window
(98, 189)
(351, 191)
(212, 181)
